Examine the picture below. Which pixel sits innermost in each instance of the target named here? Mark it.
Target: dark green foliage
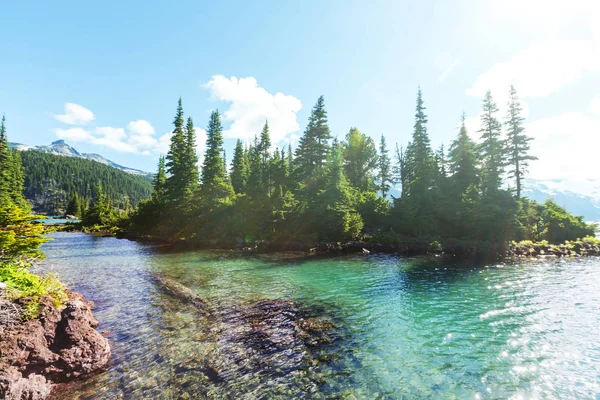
(330, 192)
(51, 180)
(314, 144)
(160, 182)
(74, 206)
(214, 180)
(360, 159)
(100, 212)
(492, 147)
(239, 168)
(182, 161)
(463, 162)
(517, 144)
(384, 177)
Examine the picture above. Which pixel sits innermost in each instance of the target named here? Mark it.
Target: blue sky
(106, 77)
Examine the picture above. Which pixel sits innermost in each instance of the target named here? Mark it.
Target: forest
(328, 189)
(52, 182)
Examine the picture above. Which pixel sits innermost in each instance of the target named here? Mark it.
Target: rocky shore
(59, 346)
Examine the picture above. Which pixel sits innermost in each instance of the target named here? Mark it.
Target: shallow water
(404, 328)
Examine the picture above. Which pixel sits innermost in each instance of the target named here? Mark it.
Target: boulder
(59, 346)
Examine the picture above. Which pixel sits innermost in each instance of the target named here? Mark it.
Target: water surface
(405, 328)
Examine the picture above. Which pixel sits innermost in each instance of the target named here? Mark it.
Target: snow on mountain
(61, 148)
(578, 196)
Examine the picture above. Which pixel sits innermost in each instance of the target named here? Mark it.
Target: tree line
(331, 190)
(66, 185)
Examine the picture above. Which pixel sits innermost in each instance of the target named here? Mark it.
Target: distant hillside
(578, 196)
(60, 148)
(51, 179)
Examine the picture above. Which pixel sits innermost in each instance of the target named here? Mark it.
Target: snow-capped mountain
(578, 196)
(61, 148)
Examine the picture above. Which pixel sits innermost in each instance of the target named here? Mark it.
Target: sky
(106, 76)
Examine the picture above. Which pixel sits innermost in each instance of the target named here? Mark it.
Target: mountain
(60, 148)
(52, 179)
(578, 196)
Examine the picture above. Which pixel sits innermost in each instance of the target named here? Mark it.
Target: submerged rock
(259, 346)
(59, 346)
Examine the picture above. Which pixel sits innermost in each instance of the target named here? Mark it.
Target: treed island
(335, 195)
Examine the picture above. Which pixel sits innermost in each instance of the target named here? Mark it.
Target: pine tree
(239, 168)
(360, 159)
(463, 161)
(384, 177)
(214, 180)
(176, 158)
(419, 166)
(314, 144)
(6, 166)
(159, 182)
(190, 164)
(73, 207)
(492, 149)
(517, 143)
(263, 150)
(399, 169)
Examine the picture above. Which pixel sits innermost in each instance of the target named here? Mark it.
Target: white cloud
(566, 145)
(448, 70)
(251, 105)
(75, 114)
(74, 134)
(594, 107)
(200, 142)
(541, 70)
(141, 127)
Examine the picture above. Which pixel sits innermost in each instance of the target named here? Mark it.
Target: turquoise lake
(405, 328)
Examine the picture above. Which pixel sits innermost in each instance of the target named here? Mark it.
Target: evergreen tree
(73, 208)
(190, 164)
(419, 165)
(214, 179)
(314, 144)
(399, 169)
(263, 151)
(360, 159)
(384, 178)
(6, 166)
(463, 161)
(337, 218)
(517, 143)
(239, 168)
(159, 182)
(176, 158)
(492, 149)
(100, 211)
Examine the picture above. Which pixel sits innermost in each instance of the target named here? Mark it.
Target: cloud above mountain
(75, 114)
(139, 137)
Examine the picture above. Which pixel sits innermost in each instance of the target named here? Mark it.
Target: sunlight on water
(405, 328)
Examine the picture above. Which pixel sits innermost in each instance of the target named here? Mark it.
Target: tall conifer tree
(517, 143)
(462, 159)
(214, 179)
(492, 147)
(384, 178)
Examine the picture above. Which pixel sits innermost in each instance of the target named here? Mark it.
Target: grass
(30, 289)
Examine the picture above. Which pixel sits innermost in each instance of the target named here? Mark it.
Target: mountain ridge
(61, 148)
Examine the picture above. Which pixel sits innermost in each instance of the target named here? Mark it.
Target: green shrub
(30, 288)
